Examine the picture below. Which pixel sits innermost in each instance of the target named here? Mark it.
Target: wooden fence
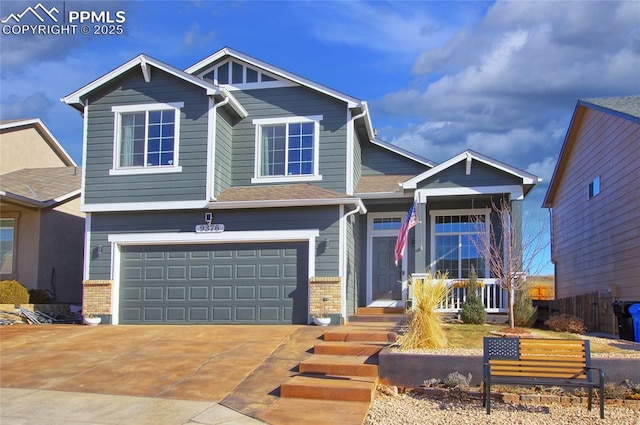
(594, 308)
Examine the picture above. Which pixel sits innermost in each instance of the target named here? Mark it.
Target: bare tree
(511, 249)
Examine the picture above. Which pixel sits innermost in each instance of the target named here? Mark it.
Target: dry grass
(425, 327)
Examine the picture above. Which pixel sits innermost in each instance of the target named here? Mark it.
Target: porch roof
(384, 184)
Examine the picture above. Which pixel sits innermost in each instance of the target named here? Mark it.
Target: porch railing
(494, 298)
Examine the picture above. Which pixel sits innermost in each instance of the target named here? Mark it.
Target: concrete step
(381, 310)
(324, 387)
(363, 334)
(393, 318)
(290, 411)
(323, 364)
(348, 348)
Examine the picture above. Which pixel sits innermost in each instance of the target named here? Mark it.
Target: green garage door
(262, 283)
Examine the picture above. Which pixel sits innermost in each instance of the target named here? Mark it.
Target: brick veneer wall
(325, 295)
(96, 297)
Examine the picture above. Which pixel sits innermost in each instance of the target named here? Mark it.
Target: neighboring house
(594, 197)
(41, 225)
(309, 200)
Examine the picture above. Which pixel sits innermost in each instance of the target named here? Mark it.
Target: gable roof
(627, 108)
(469, 156)
(145, 63)
(624, 107)
(402, 152)
(46, 135)
(352, 102)
(41, 187)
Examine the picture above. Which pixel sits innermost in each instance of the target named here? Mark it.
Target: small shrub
(524, 313)
(566, 323)
(616, 392)
(425, 327)
(39, 296)
(13, 292)
(473, 312)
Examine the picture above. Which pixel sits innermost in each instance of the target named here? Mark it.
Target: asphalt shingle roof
(278, 192)
(381, 184)
(629, 105)
(42, 184)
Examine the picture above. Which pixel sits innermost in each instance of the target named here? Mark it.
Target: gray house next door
(263, 283)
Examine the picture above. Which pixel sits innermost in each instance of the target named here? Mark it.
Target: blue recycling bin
(634, 310)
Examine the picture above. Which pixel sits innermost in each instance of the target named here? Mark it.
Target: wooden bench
(544, 362)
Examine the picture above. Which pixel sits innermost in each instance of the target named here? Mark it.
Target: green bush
(39, 296)
(524, 313)
(566, 323)
(473, 311)
(13, 292)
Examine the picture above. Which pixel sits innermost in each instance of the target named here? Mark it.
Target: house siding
(481, 175)
(379, 161)
(326, 219)
(223, 155)
(287, 102)
(357, 162)
(596, 242)
(131, 89)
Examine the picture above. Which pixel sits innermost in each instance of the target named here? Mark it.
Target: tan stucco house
(41, 226)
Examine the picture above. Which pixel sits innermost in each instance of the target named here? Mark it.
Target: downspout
(213, 145)
(344, 261)
(350, 164)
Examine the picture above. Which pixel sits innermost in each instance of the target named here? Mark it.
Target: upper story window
(594, 187)
(287, 149)
(146, 138)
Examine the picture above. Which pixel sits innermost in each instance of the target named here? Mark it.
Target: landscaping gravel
(417, 409)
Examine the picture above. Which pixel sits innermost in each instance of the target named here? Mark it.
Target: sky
(501, 78)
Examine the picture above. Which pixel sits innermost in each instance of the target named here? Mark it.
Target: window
(237, 74)
(387, 223)
(147, 137)
(287, 148)
(457, 238)
(594, 187)
(7, 245)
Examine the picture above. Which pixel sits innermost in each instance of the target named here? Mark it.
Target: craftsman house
(237, 192)
(40, 212)
(594, 197)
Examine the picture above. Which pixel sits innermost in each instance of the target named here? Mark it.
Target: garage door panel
(232, 283)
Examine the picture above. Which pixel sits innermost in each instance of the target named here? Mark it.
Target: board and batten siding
(288, 102)
(326, 219)
(596, 242)
(377, 161)
(131, 89)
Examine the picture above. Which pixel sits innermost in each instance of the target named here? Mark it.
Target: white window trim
(436, 213)
(118, 110)
(15, 216)
(259, 122)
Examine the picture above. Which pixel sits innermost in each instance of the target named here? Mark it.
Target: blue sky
(501, 78)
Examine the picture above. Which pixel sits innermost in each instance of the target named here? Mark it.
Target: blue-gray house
(237, 192)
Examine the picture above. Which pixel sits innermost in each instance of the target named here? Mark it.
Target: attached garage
(242, 283)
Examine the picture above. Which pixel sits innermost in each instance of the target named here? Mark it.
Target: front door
(386, 277)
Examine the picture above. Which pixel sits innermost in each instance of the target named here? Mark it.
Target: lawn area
(470, 336)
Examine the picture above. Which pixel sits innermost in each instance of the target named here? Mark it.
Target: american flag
(409, 221)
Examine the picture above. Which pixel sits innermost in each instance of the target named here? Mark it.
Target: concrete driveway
(240, 367)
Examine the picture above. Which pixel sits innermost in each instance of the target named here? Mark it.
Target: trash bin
(634, 310)
(625, 321)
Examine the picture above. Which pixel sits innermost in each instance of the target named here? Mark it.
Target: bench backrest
(535, 357)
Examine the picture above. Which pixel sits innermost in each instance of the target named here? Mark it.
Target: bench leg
(487, 396)
(590, 398)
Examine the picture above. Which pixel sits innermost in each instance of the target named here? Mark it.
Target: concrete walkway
(26, 407)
